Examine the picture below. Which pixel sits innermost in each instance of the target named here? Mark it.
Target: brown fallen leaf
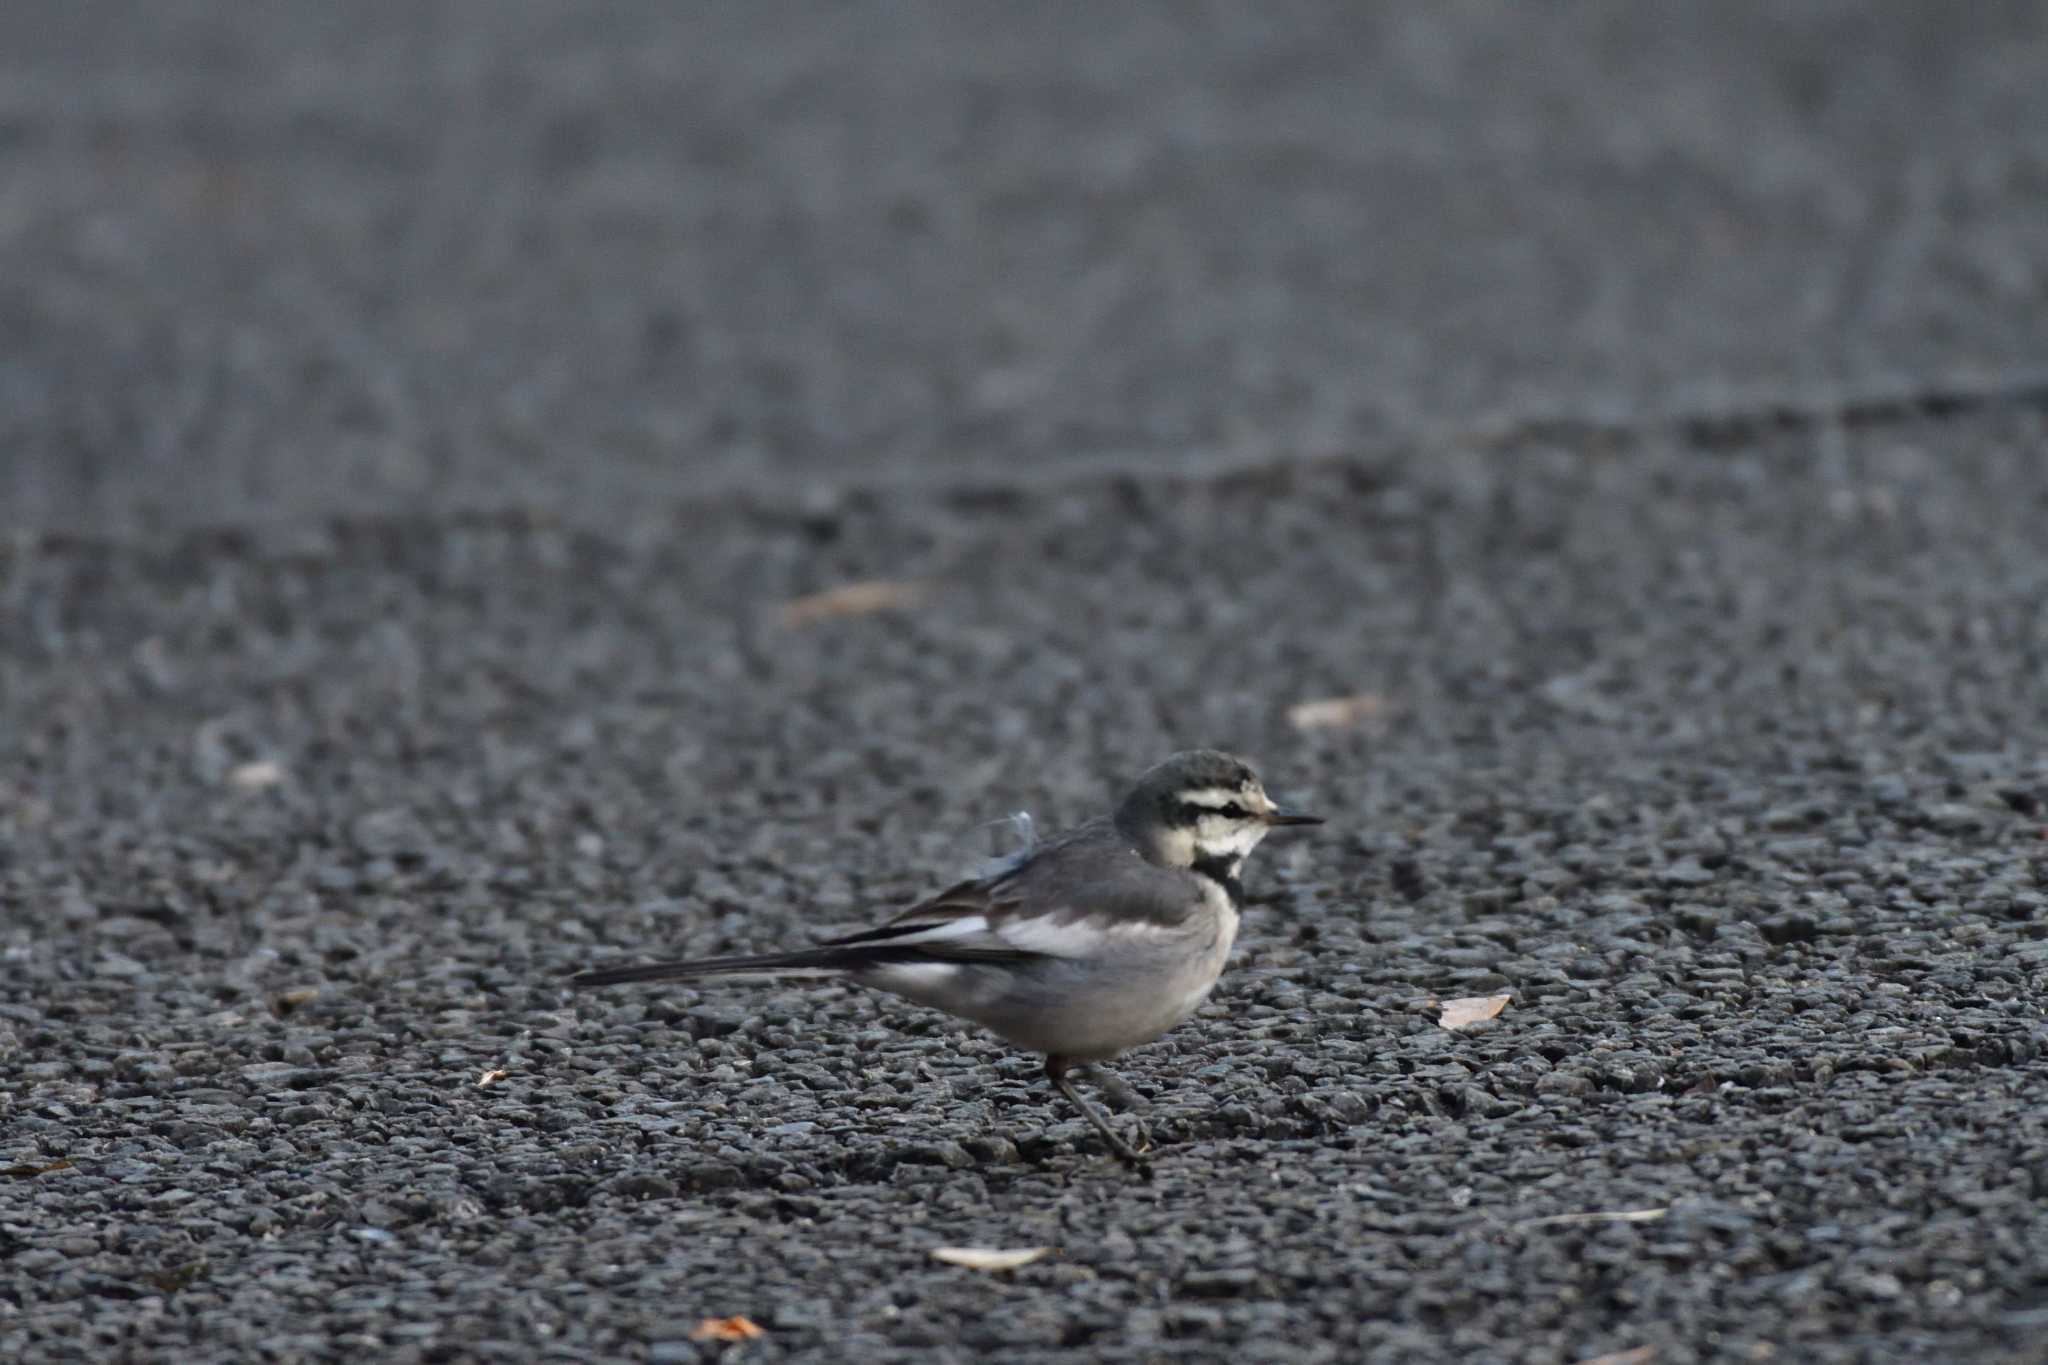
(988, 1258)
(491, 1077)
(1639, 1355)
(284, 1002)
(1468, 1010)
(1337, 713)
(726, 1329)
(851, 599)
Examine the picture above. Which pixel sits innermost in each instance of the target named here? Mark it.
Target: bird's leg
(1118, 1096)
(1056, 1071)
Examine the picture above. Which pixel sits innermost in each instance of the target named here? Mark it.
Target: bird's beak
(1287, 815)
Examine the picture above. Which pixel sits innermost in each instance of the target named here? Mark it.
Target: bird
(1088, 943)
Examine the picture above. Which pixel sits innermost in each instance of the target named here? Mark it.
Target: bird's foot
(1132, 1159)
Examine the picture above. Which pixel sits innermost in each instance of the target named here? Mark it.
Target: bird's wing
(1095, 893)
(961, 923)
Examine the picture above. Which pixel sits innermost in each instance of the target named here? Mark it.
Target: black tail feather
(803, 960)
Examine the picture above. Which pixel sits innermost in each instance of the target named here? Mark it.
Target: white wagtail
(1091, 942)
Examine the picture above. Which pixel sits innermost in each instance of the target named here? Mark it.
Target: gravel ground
(418, 419)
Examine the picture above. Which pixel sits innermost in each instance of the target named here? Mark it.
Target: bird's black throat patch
(1221, 869)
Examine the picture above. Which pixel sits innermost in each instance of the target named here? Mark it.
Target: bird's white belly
(1127, 998)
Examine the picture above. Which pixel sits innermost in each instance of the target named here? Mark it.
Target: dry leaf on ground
(1639, 1355)
(851, 599)
(726, 1329)
(1469, 1010)
(1337, 713)
(988, 1258)
(257, 775)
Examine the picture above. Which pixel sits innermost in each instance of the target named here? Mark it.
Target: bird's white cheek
(1227, 838)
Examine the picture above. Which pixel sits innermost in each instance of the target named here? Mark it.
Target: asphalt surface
(417, 420)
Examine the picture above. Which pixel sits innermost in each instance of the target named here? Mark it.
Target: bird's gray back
(1092, 871)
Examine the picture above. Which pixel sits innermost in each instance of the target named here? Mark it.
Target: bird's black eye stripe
(1188, 813)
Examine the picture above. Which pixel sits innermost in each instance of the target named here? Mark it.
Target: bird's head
(1204, 810)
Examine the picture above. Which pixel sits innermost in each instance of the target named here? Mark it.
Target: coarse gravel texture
(419, 418)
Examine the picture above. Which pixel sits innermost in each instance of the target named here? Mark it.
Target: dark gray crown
(1155, 800)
